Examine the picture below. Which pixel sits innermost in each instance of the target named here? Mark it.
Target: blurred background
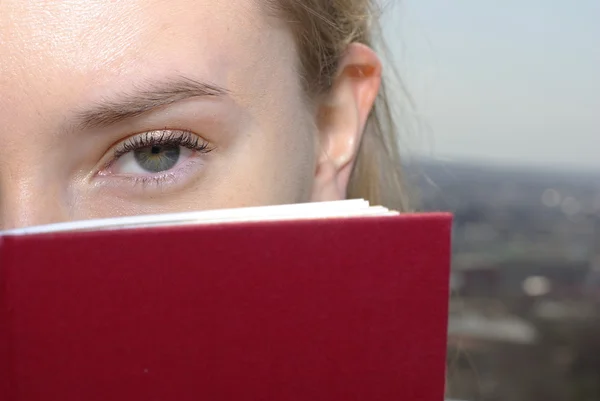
(505, 134)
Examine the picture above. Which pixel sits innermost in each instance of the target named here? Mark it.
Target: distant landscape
(525, 311)
(505, 213)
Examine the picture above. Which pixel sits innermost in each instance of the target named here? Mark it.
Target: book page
(314, 210)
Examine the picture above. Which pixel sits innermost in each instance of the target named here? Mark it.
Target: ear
(341, 118)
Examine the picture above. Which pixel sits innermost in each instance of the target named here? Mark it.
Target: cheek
(293, 164)
(277, 166)
(277, 155)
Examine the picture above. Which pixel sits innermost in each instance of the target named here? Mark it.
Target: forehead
(110, 28)
(42, 42)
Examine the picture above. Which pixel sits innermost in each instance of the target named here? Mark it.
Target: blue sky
(513, 82)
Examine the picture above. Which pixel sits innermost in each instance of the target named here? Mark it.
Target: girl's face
(112, 108)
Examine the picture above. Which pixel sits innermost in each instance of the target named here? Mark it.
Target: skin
(65, 66)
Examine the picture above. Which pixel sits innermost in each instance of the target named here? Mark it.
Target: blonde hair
(323, 30)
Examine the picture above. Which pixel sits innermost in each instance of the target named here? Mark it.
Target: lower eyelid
(145, 188)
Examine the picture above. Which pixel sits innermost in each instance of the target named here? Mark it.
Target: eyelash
(165, 137)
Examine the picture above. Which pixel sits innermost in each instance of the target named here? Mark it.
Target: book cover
(314, 309)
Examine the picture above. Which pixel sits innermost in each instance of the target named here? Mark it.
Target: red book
(311, 309)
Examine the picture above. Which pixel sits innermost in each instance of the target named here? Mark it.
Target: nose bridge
(31, 191)
(27, 196)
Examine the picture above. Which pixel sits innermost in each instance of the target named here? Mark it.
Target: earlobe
(342, 117)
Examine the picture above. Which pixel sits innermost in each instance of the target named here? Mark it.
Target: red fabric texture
(351, 309)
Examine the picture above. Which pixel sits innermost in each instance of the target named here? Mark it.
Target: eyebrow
(143, 99)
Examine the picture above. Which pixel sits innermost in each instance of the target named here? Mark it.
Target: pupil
(157, 158)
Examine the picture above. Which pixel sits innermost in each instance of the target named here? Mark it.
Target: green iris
(157, 158)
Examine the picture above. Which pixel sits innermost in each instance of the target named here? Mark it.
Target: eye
(151, 159)
(155, 152)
